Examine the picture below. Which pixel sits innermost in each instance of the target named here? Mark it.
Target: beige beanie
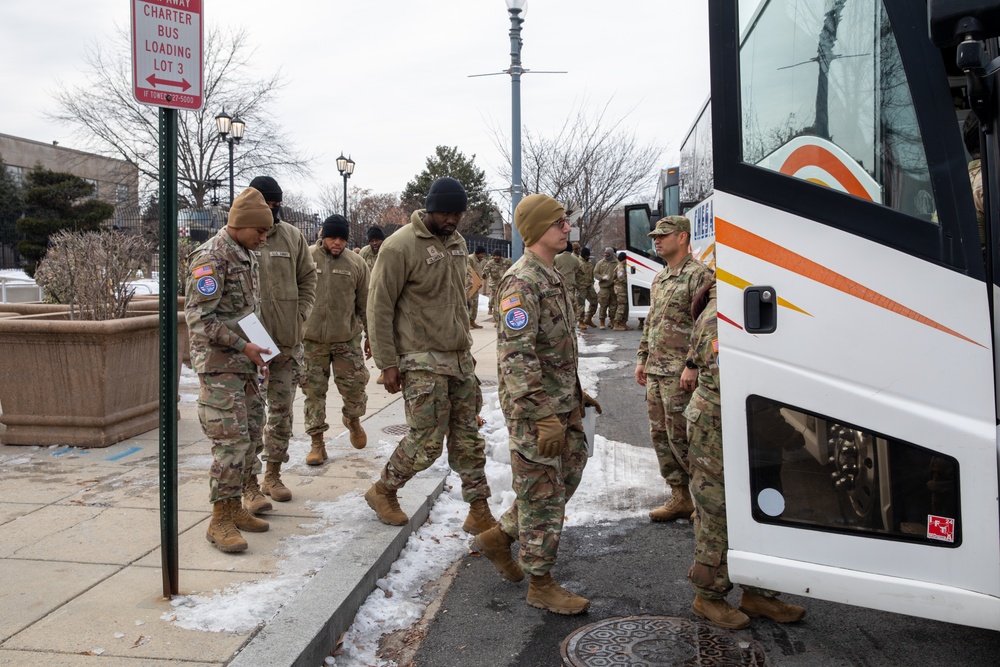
(534, 215)
(250, 210)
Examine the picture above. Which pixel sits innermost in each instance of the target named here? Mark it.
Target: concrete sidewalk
(80, 533)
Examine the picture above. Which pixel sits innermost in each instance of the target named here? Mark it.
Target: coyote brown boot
(358, 436)
(382, 499)
(755, 605)
(317, 454)
(222, 532)
(601, 325)
(273, 486)
(244, 520)
(381, 378)
(255, 501)
(475, 325)
(480, 518)
(495, 545)
(582, 326)
(719, 612)
(590, 322)
(679, 506)
(545, 593)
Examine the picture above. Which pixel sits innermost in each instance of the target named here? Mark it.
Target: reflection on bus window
(639, 226)
(831, 105)
(696, 178)
(810, 471)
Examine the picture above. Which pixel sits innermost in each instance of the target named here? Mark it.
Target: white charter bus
(856, 300)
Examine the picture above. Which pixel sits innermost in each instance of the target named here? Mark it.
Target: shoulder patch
(516, 319)
(203, 270)
(208, 285)
(715, 346)
(512, 301)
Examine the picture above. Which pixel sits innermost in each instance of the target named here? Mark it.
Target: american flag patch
(203, 270)
(715, 346)
(510, 302)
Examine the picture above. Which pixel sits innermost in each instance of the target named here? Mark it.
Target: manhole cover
(652, 641)
(396, 429)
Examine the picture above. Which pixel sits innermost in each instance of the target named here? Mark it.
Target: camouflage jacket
(287, 286)
(568, 265)
(666, 337)
(369, 256)
(704, 353)
(222, 287)
(976, 179)
(418, 318)
(605, 273)
(536, 342)
(585, 277)
(495, 270)
(341, 310)
(621, 277)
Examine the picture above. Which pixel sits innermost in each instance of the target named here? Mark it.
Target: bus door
(856, 350)
(641, 258)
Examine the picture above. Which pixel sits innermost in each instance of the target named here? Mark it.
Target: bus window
(812, 472)
(831, 105)
(696, 178)
(639, 225)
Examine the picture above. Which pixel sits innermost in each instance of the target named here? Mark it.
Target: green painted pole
(168, 351)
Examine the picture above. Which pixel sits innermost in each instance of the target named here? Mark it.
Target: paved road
(634, 567)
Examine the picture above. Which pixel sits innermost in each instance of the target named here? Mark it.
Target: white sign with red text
(167, 40)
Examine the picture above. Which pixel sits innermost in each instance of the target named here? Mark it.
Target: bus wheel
(855, 476)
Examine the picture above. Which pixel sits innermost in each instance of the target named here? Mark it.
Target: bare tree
(109, 119)
(365, 208)
(593, 165)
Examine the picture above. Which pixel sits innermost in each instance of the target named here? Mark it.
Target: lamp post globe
(345, 165)
(231, 131)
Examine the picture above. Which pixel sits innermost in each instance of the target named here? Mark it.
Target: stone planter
(80, 383)
(33, 308)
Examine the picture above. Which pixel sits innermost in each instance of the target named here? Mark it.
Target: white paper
(255, 332)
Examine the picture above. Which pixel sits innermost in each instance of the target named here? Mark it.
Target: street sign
(167, 40)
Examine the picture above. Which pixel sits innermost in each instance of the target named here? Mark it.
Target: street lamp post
(345, 166)
(517, 11)
(231, 131)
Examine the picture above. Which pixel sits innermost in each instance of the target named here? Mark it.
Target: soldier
(287, 294)
(620, 320)
(223, 288)
(568, 265)
(333, 338)
(709, 575)
(605, 273)
(419, 326)
(585, 291)
(494, 270)
(970, 134)
(660, 365)
(369, 253)
(475, 266)
(542, 403)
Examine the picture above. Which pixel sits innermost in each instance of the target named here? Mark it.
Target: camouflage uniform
(419, 323)
(222, 288)
(333, 337)
(976, 179)
(369, 256)
(494, 270)
(568, 265)
(704, 429)
(537, 367)
(621, 293)
(288, 291)
(606, 302)
(664, 347)
(473, 301)
(585, 291)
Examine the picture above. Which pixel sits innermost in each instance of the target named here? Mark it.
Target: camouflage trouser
(708, 489)
(349, 373)
(621, 304)
(574, 298)
(665, 403)
(473, 304)
(606, 303)
(283, 378)
(543, 487)
(494, 306)
(231, 412)
(582, 297)
(437, 405)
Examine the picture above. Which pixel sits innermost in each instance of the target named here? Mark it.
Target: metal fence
(198, 224)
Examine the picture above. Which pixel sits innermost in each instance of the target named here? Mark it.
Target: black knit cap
(585, 252)
(336, 227)
(268, 187)
(446, 196)
(375, 232)
(480, 250)
(622, 256)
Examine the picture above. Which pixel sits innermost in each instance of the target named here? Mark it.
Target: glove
(589, 400)
(551, 436)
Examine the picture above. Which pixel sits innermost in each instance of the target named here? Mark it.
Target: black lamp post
(231, 131)
(345, 166)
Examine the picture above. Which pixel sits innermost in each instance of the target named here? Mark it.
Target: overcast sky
(386, 81)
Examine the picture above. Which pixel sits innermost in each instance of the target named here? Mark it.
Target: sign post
(167, 38)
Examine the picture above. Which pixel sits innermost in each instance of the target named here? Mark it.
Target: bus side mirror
(951, 21)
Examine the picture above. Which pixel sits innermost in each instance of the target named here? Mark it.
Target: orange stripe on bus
(740, 283)
(757, 246)
(817, 156)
